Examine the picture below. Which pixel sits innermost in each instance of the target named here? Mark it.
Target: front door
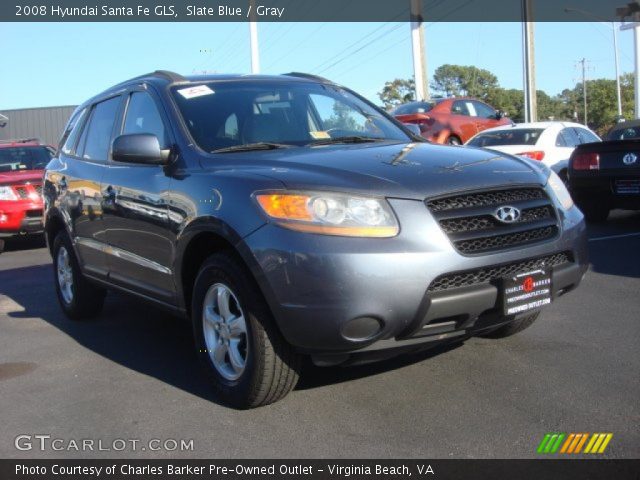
(135, 210)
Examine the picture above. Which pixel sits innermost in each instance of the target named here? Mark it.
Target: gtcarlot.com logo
(44, 442)
(574, 443)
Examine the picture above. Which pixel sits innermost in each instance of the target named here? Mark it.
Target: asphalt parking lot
(132, 374)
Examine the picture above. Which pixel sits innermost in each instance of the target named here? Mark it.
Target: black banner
(319, 469)
(312, 10)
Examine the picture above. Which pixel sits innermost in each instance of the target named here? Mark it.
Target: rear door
(84, 156)
(135, 203)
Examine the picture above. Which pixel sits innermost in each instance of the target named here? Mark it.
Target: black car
(287, 216)
(606, 175)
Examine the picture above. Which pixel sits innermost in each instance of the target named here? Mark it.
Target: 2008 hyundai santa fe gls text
(288, 216)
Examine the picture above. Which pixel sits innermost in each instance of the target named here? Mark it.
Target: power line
(379, 37)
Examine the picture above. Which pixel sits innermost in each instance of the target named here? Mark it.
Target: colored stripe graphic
(572, 443)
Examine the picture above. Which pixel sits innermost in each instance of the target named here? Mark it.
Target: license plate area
(627, 186)
(526, 291)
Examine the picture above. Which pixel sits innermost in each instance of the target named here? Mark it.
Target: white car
(549, 142)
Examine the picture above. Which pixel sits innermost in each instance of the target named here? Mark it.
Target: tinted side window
(72, 131)
(460, 108)
(99, 130)
(484, 111)
(143, 117)
(586, 136)
(570, 137)
(560, 140)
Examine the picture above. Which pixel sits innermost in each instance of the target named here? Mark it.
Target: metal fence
(44, 123)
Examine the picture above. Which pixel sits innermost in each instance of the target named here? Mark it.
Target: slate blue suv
(287, 216)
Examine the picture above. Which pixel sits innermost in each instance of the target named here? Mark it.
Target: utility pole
(632, 10)
(529, 67)
(253, 36)
(419, 57)
(584, 88)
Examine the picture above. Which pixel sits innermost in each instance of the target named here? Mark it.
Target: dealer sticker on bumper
(526, 291)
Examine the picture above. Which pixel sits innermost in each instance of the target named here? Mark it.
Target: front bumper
(20, 218)
(317, 284)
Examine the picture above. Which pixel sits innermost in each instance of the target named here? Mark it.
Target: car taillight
(535, 155)
(586, 161)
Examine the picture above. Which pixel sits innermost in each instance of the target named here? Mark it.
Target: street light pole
(528, 60)
(615, 51)
(419, 57)
(253, 39)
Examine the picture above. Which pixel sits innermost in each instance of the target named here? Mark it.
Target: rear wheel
(78, 298)
(513, 327)
(249, 362)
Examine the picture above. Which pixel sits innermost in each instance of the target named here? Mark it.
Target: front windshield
(23, 158)
(512, 136)
(240, 112)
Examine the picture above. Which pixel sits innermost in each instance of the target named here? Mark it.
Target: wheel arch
(201, 239)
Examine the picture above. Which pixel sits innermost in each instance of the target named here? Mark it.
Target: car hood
(21, 176)
(413, 170)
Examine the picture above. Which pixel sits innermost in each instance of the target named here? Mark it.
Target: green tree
(397, 92)
(460, 80)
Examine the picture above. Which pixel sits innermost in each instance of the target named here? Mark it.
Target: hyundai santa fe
(286, 216)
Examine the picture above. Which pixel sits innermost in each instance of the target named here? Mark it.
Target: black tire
(271, 367)
(594, 210)
(87, 299)
(513, 327)
(453, 140)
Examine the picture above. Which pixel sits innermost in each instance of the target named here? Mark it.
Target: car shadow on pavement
(22, 243)
(150, 341)
(613, 247)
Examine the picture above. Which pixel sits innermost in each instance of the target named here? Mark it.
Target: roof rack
(19, 140)
(166, 74)
(308, 76)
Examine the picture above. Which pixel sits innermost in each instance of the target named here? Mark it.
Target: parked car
(549, 142)
(288, 216)
(22, 165)
(625, 130)
(450, 120)
(606, 175)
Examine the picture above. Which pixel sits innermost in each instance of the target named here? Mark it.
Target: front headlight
(6, 193)
(560, 190)
(330, 213)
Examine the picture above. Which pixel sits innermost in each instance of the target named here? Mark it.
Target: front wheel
(249, 362)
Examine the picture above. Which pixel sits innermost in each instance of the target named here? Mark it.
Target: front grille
(485, 199)
(469, 221)
(494, 273)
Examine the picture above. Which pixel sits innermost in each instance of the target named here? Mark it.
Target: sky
(47, 64)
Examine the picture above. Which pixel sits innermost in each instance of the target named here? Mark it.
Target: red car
(22, 165)
(450, 120)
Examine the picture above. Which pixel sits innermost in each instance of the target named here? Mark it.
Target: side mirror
(138, 148)
(413, 128)
(500, 114)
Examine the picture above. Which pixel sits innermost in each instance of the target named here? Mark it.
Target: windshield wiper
(349, 139)
(247, 147)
